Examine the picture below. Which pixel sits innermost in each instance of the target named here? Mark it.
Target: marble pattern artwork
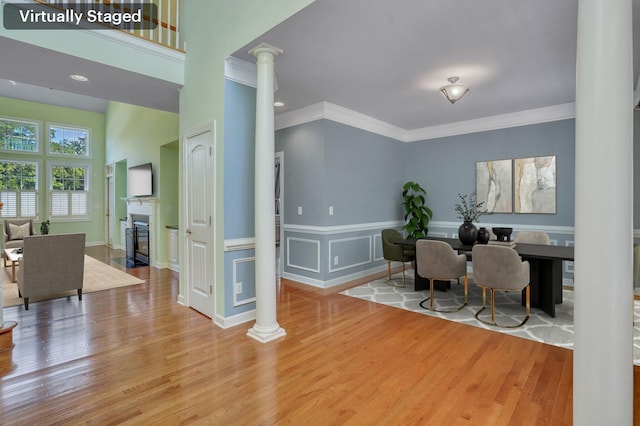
(493, 185)
(535, 184)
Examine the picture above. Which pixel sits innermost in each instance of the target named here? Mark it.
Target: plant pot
(467, 233)
(483, 236)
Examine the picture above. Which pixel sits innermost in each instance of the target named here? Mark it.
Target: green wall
(212, 31)
(137, 135)
(44, 113)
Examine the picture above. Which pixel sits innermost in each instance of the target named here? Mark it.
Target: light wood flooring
(132, 355)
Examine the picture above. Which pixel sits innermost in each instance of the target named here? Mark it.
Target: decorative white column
(266, 327)
(603, 333)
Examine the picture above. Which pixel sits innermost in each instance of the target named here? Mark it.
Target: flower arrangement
(469, 209)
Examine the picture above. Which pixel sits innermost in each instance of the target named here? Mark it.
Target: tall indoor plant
(417, 214)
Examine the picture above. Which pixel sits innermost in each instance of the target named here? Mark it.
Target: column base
(6, 335)
(266, 335)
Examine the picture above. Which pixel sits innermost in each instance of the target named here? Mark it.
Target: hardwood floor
(133, 355)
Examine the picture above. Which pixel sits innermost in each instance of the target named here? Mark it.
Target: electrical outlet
(335, 260)
(299, 210)
(330, 210)
(238, 288)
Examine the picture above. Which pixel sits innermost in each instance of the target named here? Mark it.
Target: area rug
(97, 276)
(540, 327)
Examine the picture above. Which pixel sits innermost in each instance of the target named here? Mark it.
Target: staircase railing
(163, 29)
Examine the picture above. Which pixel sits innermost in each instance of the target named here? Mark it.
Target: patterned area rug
(540, 327)
(97, 276)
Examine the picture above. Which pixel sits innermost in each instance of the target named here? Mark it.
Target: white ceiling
(385, 59)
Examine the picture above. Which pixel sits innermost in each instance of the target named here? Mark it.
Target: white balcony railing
(164, 29)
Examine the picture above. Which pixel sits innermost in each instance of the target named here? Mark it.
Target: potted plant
(469, 211)
(44, 227)
(417, 214)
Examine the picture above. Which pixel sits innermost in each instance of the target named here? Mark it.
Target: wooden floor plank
(133, 355)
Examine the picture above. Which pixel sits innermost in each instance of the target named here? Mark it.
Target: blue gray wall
(239, 161)
(360, 174)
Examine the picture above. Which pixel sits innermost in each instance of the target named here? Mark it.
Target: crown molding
(240, 71)
(329, 111)
(339, 114)
(502, 121)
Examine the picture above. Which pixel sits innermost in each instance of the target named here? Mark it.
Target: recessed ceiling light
(278, 104)
(78, 77)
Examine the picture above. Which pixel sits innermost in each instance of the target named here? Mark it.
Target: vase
(467, 233)
(483, 236)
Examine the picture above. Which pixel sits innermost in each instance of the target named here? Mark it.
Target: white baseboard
(232, 321)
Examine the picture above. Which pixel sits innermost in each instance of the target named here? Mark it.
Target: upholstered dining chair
(498, 268)
(436, 260)
(532, 237)
(395, 253)
(13, 233)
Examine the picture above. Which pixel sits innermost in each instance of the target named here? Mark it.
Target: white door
(199, 253)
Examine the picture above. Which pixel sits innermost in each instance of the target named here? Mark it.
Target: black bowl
(503, 234)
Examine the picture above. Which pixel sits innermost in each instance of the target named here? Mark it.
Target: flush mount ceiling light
(454, 91)
(278, 104)
(78, 77)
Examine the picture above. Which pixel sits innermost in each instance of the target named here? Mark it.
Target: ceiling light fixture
(454, 91)
(278, 104)
(78, 77)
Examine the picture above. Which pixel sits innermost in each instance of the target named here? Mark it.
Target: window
(19, 189)
(17, 135)
(69, 197)
(68, 141)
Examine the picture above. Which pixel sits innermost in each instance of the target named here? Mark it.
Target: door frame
(280, 155)
(182, 237)
(109, 194)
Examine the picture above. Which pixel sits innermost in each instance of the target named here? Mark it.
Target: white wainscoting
(342, 240)
(236, 264)
(316, 244)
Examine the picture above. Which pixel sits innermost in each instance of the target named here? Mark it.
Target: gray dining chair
(532, 237)
(436, 260)
(498, 268)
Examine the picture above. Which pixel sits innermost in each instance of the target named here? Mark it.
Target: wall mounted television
(140, 181)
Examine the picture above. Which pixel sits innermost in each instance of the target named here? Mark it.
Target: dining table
(545, 266)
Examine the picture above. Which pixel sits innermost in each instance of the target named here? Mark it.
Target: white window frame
(67, 127)
(35, 123)
(70, 217)
(19, 192)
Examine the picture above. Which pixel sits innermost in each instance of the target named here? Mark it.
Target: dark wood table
(545, 263)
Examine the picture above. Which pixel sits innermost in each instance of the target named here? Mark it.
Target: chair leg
(26, 303)
(492, 292)
(403, 279)
(431, 298)
(388, 270)
(79, 294)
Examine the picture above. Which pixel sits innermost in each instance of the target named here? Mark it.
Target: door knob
(188, 231)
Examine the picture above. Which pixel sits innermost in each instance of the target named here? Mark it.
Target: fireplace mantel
(140, 200)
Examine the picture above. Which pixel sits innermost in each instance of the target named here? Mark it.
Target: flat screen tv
(140, 181)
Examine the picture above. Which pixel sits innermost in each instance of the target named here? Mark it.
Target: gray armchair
(13, 233)
(436, 260)
(500, 268)
(51, 264)
(394, 252)
(532, 237)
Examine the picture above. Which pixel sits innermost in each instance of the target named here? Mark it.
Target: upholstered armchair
(51, 264)
(532, 237)
(13, 233)
(394, 252)
(436, 260)
(498, 268)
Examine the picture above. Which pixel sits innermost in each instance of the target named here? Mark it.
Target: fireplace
(138, 241)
